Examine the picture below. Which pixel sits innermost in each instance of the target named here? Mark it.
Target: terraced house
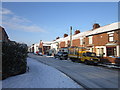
(3, 38)
(103, 40)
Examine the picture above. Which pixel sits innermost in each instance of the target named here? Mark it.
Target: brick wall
(86, 41)
(100, 39)
(76, 42)
(0, 60)
(62, 44)
(118, 36)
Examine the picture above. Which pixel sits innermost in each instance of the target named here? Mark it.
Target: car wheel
(72, 59)
(79, 61)
(60, 58)
(65, 58)
(95, 64)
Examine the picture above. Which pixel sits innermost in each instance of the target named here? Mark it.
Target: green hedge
(13, 59)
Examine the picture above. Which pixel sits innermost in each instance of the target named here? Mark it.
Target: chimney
(65, 35)
(57, 38)
(96, 26)
(76, 32)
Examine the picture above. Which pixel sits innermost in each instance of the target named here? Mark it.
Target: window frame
(110, 37)
(90, 39)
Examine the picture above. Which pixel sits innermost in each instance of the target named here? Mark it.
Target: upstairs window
(81, 41)
(90, 40)
(111, 37)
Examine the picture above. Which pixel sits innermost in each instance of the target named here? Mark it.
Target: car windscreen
(90, 54)
(65, 53)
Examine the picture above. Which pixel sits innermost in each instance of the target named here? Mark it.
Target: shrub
(13, 59)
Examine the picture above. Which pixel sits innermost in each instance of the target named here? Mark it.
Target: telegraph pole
(70, 36)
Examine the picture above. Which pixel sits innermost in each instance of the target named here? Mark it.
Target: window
(111, 38)
(66, 43)
(90, 40)
(111, 51)
(81, 41)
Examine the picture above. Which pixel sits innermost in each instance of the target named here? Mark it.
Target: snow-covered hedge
(13, 59)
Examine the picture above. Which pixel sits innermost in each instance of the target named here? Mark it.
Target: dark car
(61, 55)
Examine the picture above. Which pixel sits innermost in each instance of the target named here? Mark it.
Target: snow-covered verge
(40, 76)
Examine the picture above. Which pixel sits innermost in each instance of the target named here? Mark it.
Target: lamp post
(70, 36)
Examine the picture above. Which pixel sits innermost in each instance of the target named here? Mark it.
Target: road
(87, 76)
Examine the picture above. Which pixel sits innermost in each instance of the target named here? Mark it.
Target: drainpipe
(118, 42)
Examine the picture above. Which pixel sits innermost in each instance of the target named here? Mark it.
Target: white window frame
(81, 41)
(111, 37)
(90, 39)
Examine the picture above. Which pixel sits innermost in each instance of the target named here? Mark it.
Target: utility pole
(70, 36)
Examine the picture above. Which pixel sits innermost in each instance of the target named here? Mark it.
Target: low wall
(110, 60)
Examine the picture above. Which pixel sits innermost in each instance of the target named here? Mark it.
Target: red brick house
(104, 40)
(44, 47)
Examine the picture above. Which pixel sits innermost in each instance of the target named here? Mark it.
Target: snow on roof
(59, 40)
(102, 29)
(36, 44)
(105, 28)
(47, 41)
(82, 34)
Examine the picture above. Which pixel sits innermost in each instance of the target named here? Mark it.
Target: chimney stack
(57, 38)
(65, 35)
(96, 26)
(76, 32)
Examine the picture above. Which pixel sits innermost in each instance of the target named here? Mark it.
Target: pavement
(39, 75)
(87, 76)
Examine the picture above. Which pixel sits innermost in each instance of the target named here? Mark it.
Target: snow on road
(40, 76)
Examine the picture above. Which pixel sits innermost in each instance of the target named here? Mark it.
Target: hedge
(13, 59)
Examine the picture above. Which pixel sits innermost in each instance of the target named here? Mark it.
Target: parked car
(40, 54)
(80, 55)
(61, 55)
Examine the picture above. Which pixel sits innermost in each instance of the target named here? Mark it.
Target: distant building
(34, 48)
(45, 47)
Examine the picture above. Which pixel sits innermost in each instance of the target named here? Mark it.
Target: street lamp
(70, 36)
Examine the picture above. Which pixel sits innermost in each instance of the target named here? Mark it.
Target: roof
(46, 43)
(106, 28)
(81, 35)
(102, 29)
